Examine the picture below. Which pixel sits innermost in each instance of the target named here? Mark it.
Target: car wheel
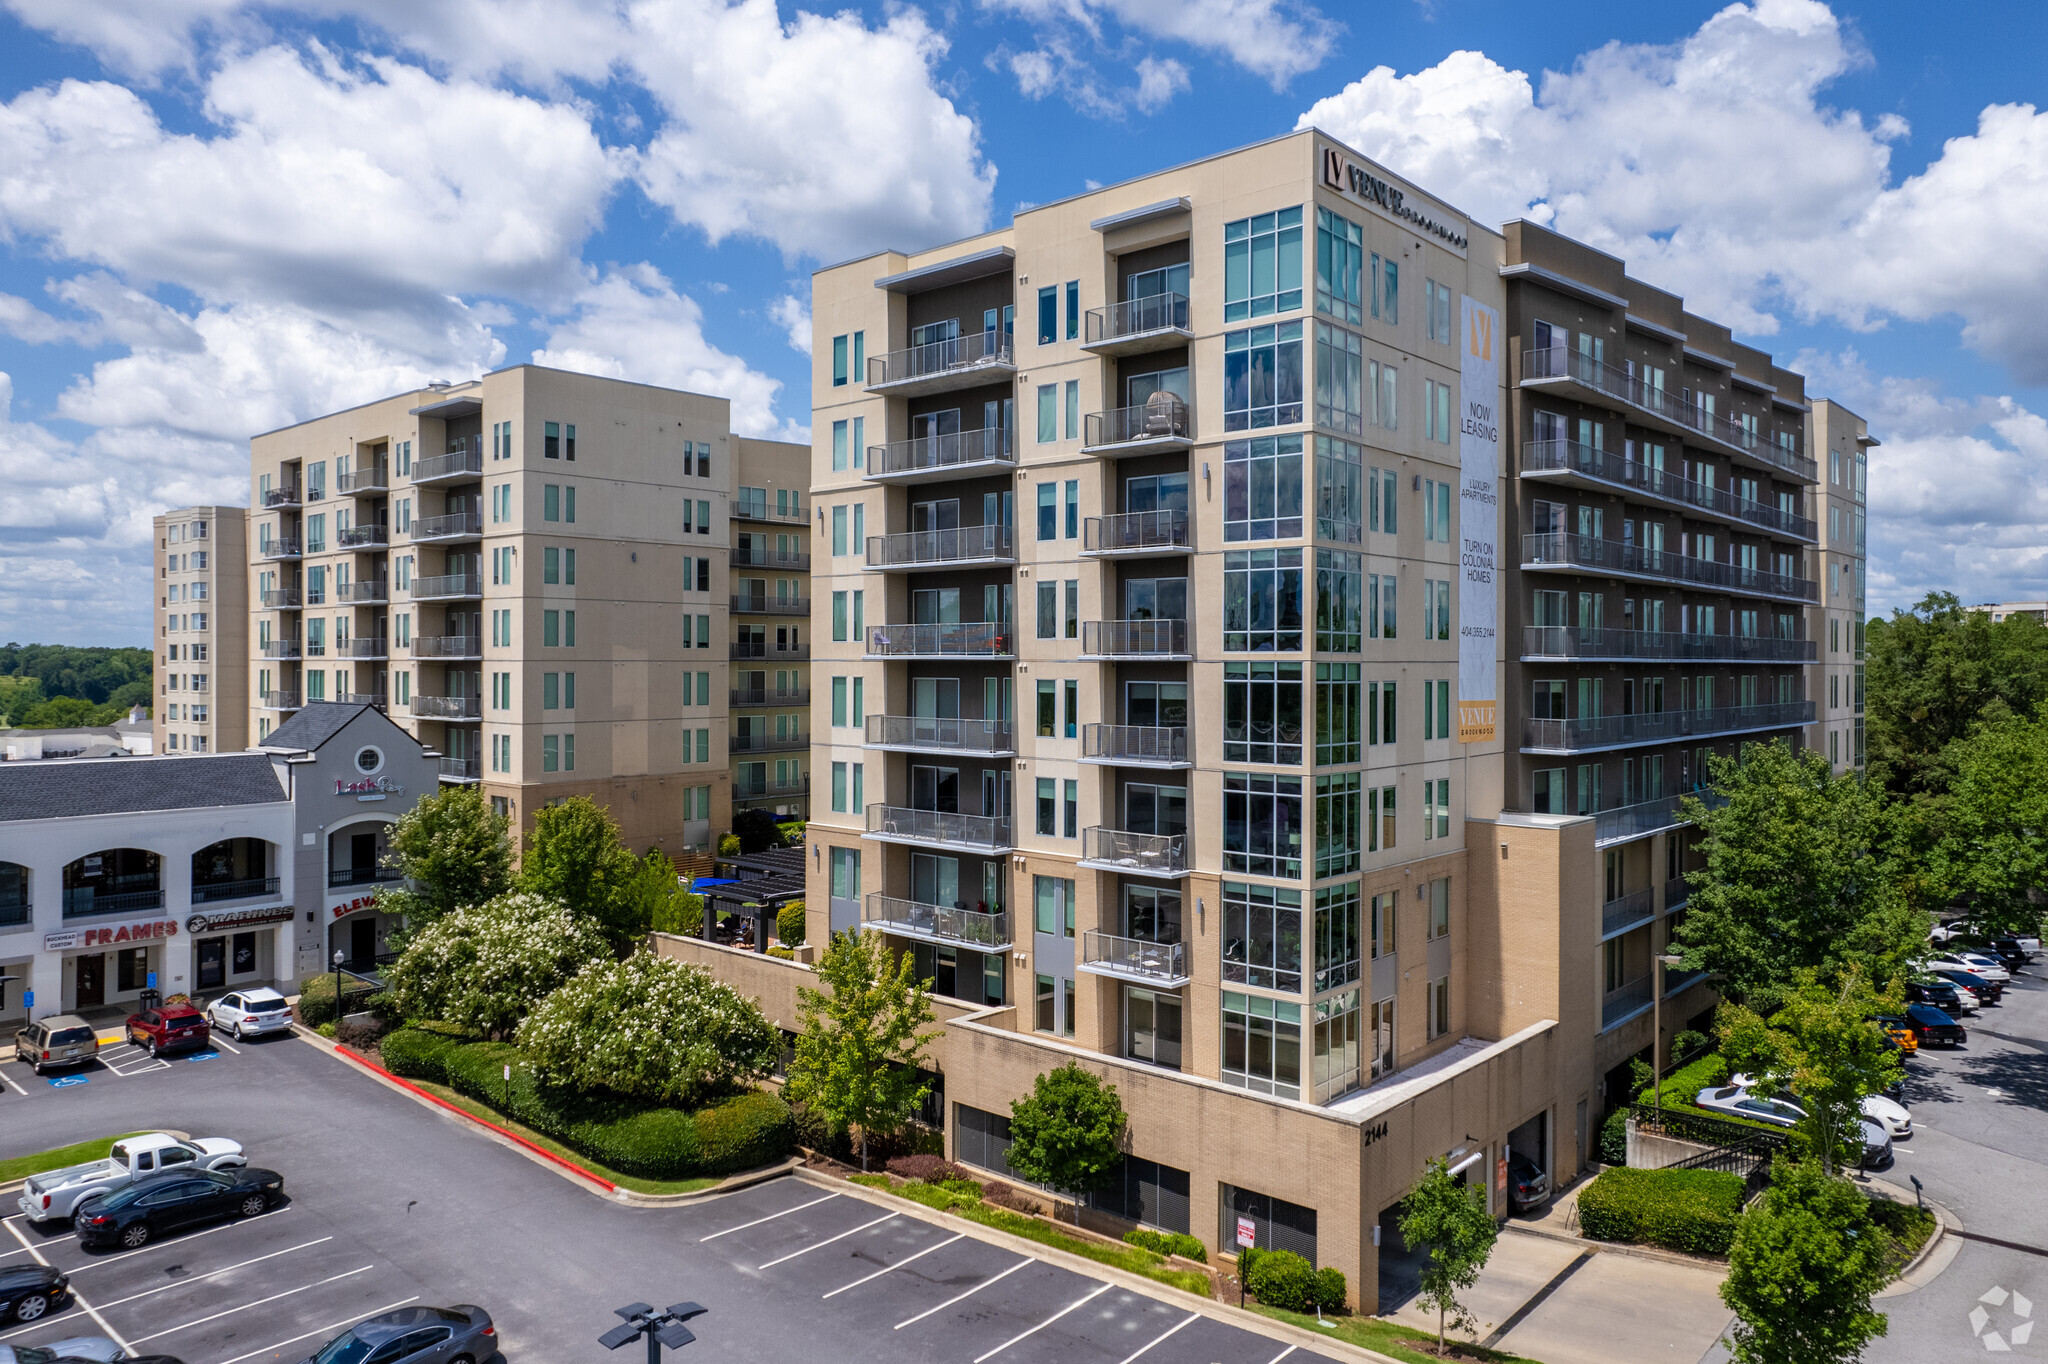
(135, 1235)
(254, 1205)
(31, 1307)
(462, 1359)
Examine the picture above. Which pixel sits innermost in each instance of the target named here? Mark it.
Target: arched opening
(355, 855)
(113, 881)
(14, 901)
(232, 869)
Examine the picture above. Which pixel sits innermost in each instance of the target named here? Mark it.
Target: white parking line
(830, 1239)
(323, 1330)
(1043, 1324)
(186, 1326)
(77, 1296)
(898, 1265)
(13, 1086)
(1027, 1260)
(1283, 1354)
(769, 1218)
(1142, 1348)
(215, 1273)
(182, 1240)
(215, 1039)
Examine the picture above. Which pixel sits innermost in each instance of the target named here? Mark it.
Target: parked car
(251, 1013)
(1528, 1187)
(1986, 991)
(1938, 993)
(1954, 959)
(1735, 1101)
(1877, 1145)
(1886, 1112)
(1966, 998)
(54, 1194)
(27, 1292)
(2007, 950)
(174, 1027)
(59, 1040)
(422, 1335)
(133, 1216)
(1931, 1025)
(76, 1350)
(1894, 1027)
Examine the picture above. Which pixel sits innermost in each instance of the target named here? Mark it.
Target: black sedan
(1930, 1024)
(1988, 991)
(29, 1291)
(132, 1216)
(461, 1334)
(1938, 993)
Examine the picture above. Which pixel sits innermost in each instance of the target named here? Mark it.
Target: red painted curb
(440, 1102)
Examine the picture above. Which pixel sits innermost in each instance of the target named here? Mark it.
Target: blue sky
(219, 217)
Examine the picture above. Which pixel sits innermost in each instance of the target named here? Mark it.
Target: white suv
(251, 1013)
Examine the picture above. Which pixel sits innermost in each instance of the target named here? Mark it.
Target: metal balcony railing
(369, 647)
(1660, 565)
(921, 548)
(748, 556)
(1134, 638)
(448, 646)
(1623, 731)
(362, 537)
(460, 769)
(769, 649)
(363, 876)
(14, 911)
(465, 459)
(1163, 417)
(448, 707)
(1154, 963)
(282, 497)
(1140, 744)
(1139, 854)
(279, 547)
(279, 648)
(955, 358)
(1637, 907)
(1616, 470)
(369, 591)
(281, 599)
(971, 639)
(214, 892)
(763, 742)
(1135, 532)
(1638, 820)
(1591, 645)
(747, 508)
(85, 900)
(941, 735)
(984, 931)
(976, 833)
(377, 480)
(362, 698)
(454, 526)
(1629, 1000)
(766, 605)
(935, 454)
(1677, 891)
(795, 696)
(1139, 317)
(447, 586)
(770, 789)
(280, 700)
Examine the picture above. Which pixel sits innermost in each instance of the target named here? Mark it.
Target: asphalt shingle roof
(113, 786)
(315, 723)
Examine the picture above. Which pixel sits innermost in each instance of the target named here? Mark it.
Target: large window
(1337, 939)
(1339, 811)
(1262, 601)
(1052, 901)
(1262, 265)
(1341, 401)
(1336, 1049)
(1262, 1044)
(1262, 936)
(1340, 602)
(1262, 824)
(1261, 713)
(1262, 488)
(1340, 714)
(1340, 267)
(1340, 501)
(1262, 377)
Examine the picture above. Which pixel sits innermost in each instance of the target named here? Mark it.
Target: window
(1052, 900)
(1072, 530)
(839, 788)
(316, 481)
(1048, 314)
(1384, 513)
(838, 446)
(1436, 808)
(551, 502)
(1337, 1064)
(1436, 511)
(1439, 1006)
(838, 532)
(838, 367)
(1072, 693)
(1340, 714)
(1048, 707)
(839, 616)
(1070, 819)
(1262, 488)
(1262, 377)
(1339, 811)
(859, 707)
(1381, 590)
(550, 752)
(1073, 612)
(1340, 267)
(1261, 265)
(1437, 300)
(1048, 793)
(1386, 293)
(1073, 309)
(1262, 713)
(1337, 940)
(1262, 1044)
(1340, 601)
(1073, 428)
(1048, 607)
(1048, 413)
(569, 509)
(1440, 908)
(1379, 814)
(1262, 824)
(839, 702)
(1436, 609)
(1262, 936)
(1262, 601)
(1383, 384)
(1341, 400)
(860, 366)
(1048, 511)
(1436, 708)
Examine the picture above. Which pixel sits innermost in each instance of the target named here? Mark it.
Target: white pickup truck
(52, 1195)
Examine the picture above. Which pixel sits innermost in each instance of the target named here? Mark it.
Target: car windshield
(263, 1006)
(345, 1349)
(29, 1354)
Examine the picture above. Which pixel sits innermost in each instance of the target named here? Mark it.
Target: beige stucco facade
(201, 586)
(1844, 520)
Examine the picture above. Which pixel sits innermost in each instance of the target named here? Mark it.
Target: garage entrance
(1400, 1277)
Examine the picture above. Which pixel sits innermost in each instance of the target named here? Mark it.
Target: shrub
(1685, 1210)
(1330, 1289)
(789, 923)
(929, 1168)
(1001, 1195)
(728, 845)
(416, 1054)
(815, 1132)
(487, 966)
(1169, 1243)
(316, 998)
(1614, 1138)
(943, 1197)
(360, 1033)
(1280, 1278)
(744, 1132)
(1688, 1080)
(776, 949)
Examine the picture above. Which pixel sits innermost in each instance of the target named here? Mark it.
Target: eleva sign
(1341, 173)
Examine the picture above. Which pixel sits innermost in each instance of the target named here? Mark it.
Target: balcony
(81, 901)
(972, 639)
(1676, 892)
(1155, 322)
(765, 605)
(1560, 553)
(1630, 911)
(279, 547)
(368, 592)
(280, 599)
(943, 366)
(792, 561)
(218, 892)
(15, 911)
(1164, 641)
(1571, 374)
(368, 648)
(278, 498)
(1632, 731)
(1581, 466)
(787, 514)
(769, 651)
(363, 698)
(771, 790)
(377, 480)
(429, 530)
(456, 647)
(933, 734)
(464, 461)
(953, 925)
(1134, 854)
(1677, 980)
(460, 770)
(1569, 644)
(795, 696)
(363, 537)
(939, 829)
(1135, 745)
(278, 700)
(961, 454)
(363, 876)
(961, 547)
(1134, 959)
(1625, 1003)
(279, 648)
(1136, 535)
(448, 707)
(1161, 425)
(1625, 823)
(767, 743)
(449, 587)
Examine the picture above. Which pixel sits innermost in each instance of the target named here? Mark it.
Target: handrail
(1138, 743)
(952, 734)
(1616, 731)
(987, 445)
(1135, 317)
(1141, 957)
(1571, 641)
(953, 545)
(1141, 854)
(1595, 552)
(1134, 638)
(1163, 416)
(1135, 530)
(966, 639)
(985, 930)
(1604, 466)
(968, 351)
(939, 826)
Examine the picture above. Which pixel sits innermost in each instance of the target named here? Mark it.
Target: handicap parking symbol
(204, 1056)
(66, 1081)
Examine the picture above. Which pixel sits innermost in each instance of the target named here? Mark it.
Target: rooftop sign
(1342, 173)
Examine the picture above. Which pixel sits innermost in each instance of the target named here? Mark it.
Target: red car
(169, 1028)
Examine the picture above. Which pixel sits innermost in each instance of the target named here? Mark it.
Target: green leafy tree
(1807, 1258)
(19, 695)
(1451, 1220)
(454, 848)
(1933, 674)
(94, 674)
(1797, 876)
(1821, 1046)
(1068, 1132)
(575, 856)
(790, 923)
(651, 1028)
(858, 1055)
(486, 967)
(1990, 845)
(67, 712)
(654, 896)
(756, 830)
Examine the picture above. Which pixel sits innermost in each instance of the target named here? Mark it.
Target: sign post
(1247, 1233)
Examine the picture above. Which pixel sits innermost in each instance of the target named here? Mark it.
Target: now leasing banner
(1478, 520)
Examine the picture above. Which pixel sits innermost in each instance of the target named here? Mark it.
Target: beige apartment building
(202, 643)
(770, 735)
(1842, 528)
(529, 572)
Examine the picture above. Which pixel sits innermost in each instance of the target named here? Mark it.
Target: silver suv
(59, 1040)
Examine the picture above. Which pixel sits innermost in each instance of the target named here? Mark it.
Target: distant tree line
(63, 686)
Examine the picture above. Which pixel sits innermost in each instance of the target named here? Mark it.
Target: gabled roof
(115, 786)
(315, 723)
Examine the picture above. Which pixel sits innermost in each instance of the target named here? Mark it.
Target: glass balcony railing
(362, 537)
(447, 586)
(1660, 565)
(937, 365)
(281, 599)
(279, 547)
(1139, 959)
(1138, 318)
(752, 741)
(1134, 638)
(976, 833)
(375, 480)
(762, 604)
(941, 735)
(370, 592)
(1637, 907)
(770, 650)
(363, 698)
(768, 788)
(1598, 645)
(454, 526)
(984, 931)
(1161, 420)
(465, 459)
(279, 648)
(280, 700)
(1138, 854)
(938, 548)
(1142, 745)
(371, 647)
(1625, 731)
(965, 451)
(1630, 1000)
(448, 707)
(763, 698)
(448, 646)
(1609, 469)
(968, 639)
(753, 556)
(1146, 532)
(460, 769)
(282, 497)
(1677, 891)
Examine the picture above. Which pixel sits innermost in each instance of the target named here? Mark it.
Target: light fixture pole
(1664, 959)
(660, 1328)
(337, 989)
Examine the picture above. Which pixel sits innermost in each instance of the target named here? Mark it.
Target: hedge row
(739, 1133)
(1280, 1278)
(316, 998)
(1686, 1210)
(1169, 1243)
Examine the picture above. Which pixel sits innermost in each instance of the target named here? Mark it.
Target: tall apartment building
(202, 642)
(770, 738)
(528, 571)
(1842, 525)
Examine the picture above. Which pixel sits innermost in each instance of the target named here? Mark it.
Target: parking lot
(119, 1059)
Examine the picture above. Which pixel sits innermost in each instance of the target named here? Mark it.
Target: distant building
(1842, 520)
(132, 737)
(2001, 609)
(202, 630)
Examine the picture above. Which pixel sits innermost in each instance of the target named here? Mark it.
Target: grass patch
(1131, 1259)
(1389, 1337)
(548, 1144)
(78, 1153)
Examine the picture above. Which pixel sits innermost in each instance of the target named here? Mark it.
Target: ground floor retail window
(981, 1138)
(131, 969)
(1279, 1225)
(1146, 1192)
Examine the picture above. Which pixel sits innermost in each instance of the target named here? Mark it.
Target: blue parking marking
(204, 1056)
(66, 1081)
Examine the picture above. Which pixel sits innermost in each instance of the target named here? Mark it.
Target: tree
(757, 830)
(1805, 1261)
(859, 1053)
(651, 1028)
(64, 712)
(1933, 674)
(1821, 1045)
(653, 897)
(454, 847)
(1067, 1133)
(89, 674)
(1797, 876)
(1451, 1219)
(18, 695)
(486, 967)
(574, 855)
(1990, 848)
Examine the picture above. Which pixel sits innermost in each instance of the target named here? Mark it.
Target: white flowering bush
(485, 967)
(652, 1028)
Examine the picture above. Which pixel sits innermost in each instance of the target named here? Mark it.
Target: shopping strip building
(1176, 628)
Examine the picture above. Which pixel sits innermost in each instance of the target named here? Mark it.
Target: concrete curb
(1920, 1271)
(1280, 1331)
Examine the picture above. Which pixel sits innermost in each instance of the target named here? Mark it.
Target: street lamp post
(337, 988)
(659, 1328)
(1664, 959)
